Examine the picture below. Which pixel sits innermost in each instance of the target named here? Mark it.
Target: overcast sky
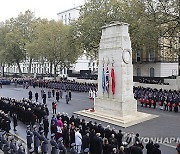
(42, 8)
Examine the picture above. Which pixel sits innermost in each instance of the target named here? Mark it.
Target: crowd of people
(168, 100)
(75, 135)
(9, 145)
(62, 84)
(24, 110)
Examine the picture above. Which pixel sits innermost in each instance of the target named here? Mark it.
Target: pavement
(164, 129)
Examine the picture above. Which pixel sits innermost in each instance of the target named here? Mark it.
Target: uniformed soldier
(54, 145)
(13, 147)
(21, 149)
(44, 145)
(36, 96)
(30, 95)
(67, 99)
(29, 137)
(73, 149)
(37, 138)
(2, 139)
(49, 93)
(6, 148)
(61, 146)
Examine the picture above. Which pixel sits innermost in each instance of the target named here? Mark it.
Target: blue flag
(103, 80)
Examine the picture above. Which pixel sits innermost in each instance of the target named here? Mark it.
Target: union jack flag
(107, 79)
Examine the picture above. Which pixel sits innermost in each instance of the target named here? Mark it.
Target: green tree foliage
(55, 44)
(145, 25)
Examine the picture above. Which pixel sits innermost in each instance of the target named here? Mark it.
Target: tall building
(69, 15)
(83, 62)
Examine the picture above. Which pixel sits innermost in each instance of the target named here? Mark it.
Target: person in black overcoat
(15, 121)
(156, 149)
(85, 141)
(98, 143)
(57, 96)
(30, 95)
(36, 96)
(149, 147)
(46, 126)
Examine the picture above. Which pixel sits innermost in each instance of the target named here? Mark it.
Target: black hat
(156, 145)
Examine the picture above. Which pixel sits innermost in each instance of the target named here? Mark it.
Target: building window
(151, 55)
(65, 19)
(89, 64)
(138, 72)
(69, 17)
(138, 55)
(151, 72)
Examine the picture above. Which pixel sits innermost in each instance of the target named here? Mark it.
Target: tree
(145, 23)
(26, 24)
(14, 48)
(55, 44)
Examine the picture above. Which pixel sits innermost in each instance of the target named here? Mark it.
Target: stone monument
(115, 101)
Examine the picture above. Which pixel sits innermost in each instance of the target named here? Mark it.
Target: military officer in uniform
(13, 147)
(29, 137)
(37, 138)
(54, 145)
(21, 149)
(44, 145)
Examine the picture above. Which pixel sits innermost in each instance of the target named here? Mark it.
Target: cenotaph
(115, 101)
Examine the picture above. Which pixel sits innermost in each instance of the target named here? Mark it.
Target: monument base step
(125, 121)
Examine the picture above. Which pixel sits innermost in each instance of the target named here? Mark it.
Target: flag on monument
(113, 80)
(103, 80)
(107, 80)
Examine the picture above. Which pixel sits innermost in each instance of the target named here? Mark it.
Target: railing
(155, 60)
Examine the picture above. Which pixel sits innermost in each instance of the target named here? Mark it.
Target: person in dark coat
(21, 149)
(44, 145)
(73, 149)
(107, 148)
(54, 145)
(61, 146)
(57, 96)
(136, 150)
(70, 95)
(44, 98)
(49, 93)
(67, 99)
(29, 137)
(156, 149)
(46, 126)
(36, 96)
(14, 121)
(30, 95)
(66, 135)
(13, 147)
(85, 141)
(119, 137)
(107, 132)
(37, 138)
(53, 92)
(98, 142)
(149, 147)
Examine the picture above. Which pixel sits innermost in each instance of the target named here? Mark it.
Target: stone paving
(163, 128)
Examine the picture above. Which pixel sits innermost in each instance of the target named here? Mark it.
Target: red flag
(113, 80)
